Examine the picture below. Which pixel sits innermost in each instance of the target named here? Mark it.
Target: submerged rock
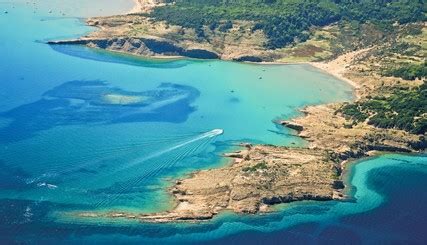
(292, 125)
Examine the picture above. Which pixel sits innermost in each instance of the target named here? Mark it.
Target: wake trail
(146, 174)
(97, 156)
(158, 168)
(210, 134)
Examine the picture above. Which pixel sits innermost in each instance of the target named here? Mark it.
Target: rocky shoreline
(148, 47)
(137, 34)
(260, 176)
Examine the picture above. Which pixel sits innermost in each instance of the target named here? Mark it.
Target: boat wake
(208, 135)
(148, 167)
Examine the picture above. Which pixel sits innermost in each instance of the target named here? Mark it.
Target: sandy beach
(338, 66)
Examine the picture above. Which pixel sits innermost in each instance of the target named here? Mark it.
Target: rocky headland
(259, 177)
(138, 34)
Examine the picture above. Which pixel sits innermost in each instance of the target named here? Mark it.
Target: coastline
(339, 67)
(332, 141)
(80, 197)
(334, 69)
(189, 198)
(319, 125)
(338, 73)
(203, 194)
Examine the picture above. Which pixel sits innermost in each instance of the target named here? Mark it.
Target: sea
(95, 131)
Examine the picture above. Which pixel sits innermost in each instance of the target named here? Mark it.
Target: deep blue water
(84, 129)
(389, 209)
(401, 219)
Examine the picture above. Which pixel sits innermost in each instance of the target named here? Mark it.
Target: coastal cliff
(138, 34)
(140, 46)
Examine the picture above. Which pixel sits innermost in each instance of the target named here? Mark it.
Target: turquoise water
(84, 129)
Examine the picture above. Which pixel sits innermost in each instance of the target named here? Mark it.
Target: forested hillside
(286, 21)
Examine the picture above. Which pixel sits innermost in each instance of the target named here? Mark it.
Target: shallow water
(84, 129)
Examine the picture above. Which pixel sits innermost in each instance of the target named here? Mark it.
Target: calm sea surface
(84, 129)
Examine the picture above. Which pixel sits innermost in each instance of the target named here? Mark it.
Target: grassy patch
(259, 166)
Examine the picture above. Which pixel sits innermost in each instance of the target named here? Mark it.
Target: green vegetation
(259, 166)
(409, 71)
(404, 109)
(287, 21)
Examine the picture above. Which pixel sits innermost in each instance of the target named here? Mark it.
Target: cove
(55, 158)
